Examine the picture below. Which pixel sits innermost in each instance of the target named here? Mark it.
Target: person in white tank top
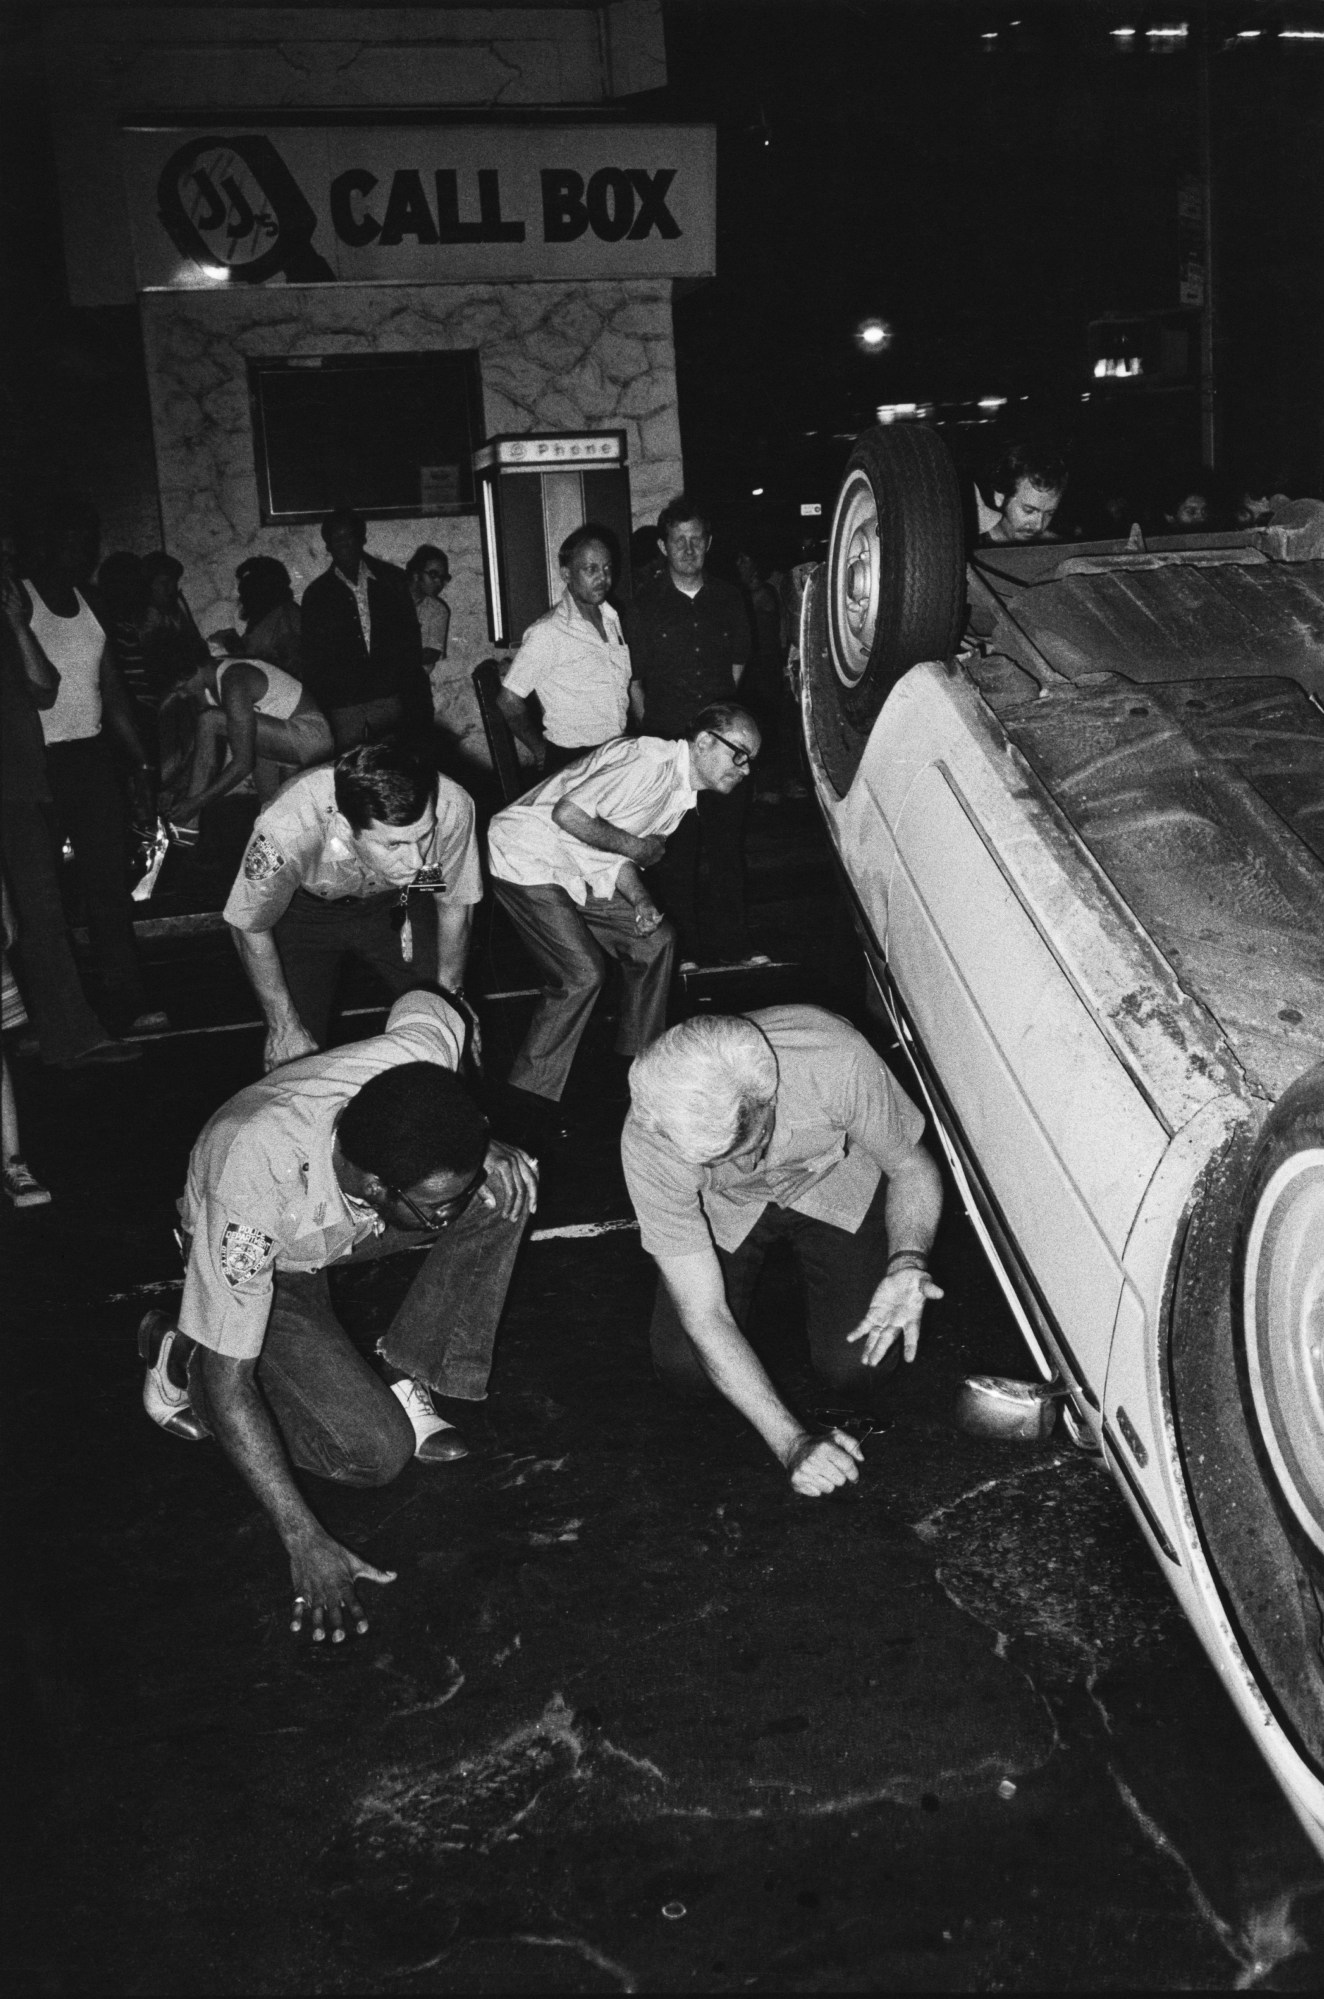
(262, 715)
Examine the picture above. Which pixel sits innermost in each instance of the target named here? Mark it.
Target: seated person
(1029, 482)
(261, 715)
(271, 618)
(780, 1125)
(373, 857)
(575, 659)
(370, 1150)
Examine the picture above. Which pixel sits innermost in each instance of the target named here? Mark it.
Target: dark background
(987, 178)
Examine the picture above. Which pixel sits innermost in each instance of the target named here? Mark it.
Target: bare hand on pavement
(324, 1575)
(818, 1465)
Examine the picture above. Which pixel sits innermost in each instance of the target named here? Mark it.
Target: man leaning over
(373, 857)
(370, 1150)
(565, 867)
(780, 1125)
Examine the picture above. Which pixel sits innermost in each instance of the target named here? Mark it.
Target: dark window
(383, 433)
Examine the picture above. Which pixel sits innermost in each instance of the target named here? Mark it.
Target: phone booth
(534, 490)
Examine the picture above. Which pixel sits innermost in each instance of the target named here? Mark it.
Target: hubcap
(1283, 1305)
(853, 605)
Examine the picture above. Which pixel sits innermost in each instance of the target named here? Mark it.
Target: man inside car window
(1028, 484)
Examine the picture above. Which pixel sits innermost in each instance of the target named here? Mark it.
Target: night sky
(987, 178)
(988, 198)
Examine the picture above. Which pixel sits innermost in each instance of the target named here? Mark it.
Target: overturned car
(1076, 793)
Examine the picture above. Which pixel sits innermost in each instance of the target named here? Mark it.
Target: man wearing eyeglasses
(365, 1151)
(565, 864)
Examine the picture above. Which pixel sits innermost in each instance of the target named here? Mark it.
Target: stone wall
(553, 357)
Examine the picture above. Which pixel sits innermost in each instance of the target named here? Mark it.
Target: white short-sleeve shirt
(640, 784)
(581, 679)
(302, 841)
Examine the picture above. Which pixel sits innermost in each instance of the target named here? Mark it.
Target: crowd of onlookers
(120, 717)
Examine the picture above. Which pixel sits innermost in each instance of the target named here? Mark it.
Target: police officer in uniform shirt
(375, 857)
(361, 1152)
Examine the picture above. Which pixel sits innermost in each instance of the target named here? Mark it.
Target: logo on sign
(233, 205)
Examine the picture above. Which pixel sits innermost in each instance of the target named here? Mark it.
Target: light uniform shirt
(302, 841)
(262, 1194)
(842, 1122)
(641, 785)
(582, 681)
(74, 647)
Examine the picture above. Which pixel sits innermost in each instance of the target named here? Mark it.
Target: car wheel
(1278, 1304)
(894, 589)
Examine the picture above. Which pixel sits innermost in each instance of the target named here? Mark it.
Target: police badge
(263, 858)
(244, 1250)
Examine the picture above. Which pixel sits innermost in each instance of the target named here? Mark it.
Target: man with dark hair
(565, 867)
(575, 659)
(362, 650)
(367, 1151)
(1028, 484)
(374, 857)
(690, 642)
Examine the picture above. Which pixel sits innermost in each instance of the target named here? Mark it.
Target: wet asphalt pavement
(634, 1717)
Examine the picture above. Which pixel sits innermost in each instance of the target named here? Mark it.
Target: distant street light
(873, 336)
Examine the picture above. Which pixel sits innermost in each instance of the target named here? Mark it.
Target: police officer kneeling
(365, 1151)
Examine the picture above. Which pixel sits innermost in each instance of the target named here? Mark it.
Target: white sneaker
(436, 1442)
(167, 1404)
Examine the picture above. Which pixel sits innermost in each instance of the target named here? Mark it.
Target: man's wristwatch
(908, 1259)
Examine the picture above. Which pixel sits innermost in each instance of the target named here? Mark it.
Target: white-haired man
(780, 1124)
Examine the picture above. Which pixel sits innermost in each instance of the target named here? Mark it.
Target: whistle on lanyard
(429, 878)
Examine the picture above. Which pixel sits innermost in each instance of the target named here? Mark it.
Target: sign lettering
(392, 205)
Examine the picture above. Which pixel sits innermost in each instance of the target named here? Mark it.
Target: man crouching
(781, 1124)
(364, 1151)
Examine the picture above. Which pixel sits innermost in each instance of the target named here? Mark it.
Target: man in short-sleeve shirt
(575, 660)
(367, 1151)
(375, 857)
(565, 861)
(780, 1124)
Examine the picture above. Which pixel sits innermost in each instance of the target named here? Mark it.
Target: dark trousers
(65, 1023)
(89, 806)
(717, 830)
(571, 945)
(839, 1273)
(314, 937)
(335, 1413)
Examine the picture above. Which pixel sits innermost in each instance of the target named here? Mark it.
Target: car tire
(1278, 1305)
(893, 592)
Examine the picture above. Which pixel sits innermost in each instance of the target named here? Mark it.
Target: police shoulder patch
(244, 1250)
(263, 858)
